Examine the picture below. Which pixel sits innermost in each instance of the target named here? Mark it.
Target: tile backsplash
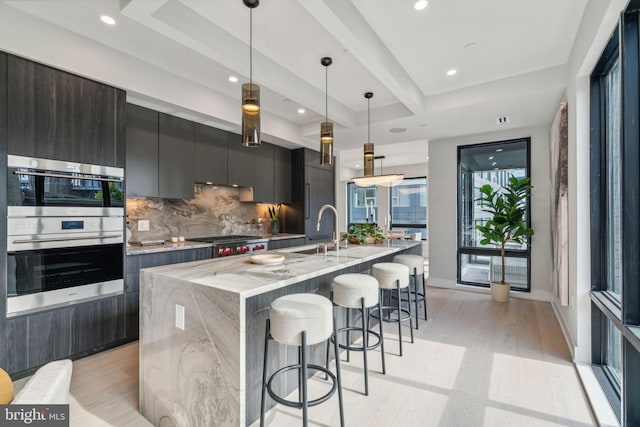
(213, 211)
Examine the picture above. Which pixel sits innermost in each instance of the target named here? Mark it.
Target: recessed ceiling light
(397, 130)
(357, 166)
(499, 150)
(452, 72)
(490, 157)
(233, 79)
(420, 4)
(494, 163)
(301, 110)
(108, 20)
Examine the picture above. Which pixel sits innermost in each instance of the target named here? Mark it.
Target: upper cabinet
(240, 164)
(141, 170)
(264, 178)
(58, 115)
(166, 155)
(176, 155)
(211, 155)
(282, 175)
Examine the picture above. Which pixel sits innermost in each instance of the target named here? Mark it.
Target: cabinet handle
(307, 200)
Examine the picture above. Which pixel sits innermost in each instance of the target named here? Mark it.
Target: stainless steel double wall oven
(65, 232)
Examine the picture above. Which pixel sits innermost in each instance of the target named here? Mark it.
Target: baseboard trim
(452, 284)
(565, 331)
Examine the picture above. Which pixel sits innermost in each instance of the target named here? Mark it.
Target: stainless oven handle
(60, 175)
(65, 239)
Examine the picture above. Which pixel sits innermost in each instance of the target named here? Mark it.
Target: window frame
(493, 252)
(393, 225)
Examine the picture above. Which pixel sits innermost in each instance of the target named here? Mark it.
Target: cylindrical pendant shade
(326, 144)
(368, 159)
(251, 115)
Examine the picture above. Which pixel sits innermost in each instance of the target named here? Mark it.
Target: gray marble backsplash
(214, 211)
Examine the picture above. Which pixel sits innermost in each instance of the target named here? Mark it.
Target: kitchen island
(202, 330)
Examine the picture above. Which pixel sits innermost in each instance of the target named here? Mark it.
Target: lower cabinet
(286, 243)
(68, 332)
(132, 279)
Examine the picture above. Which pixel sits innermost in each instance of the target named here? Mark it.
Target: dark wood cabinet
(69, 332)
(58, 115)
(210, 155)
(282, 175)
(240, 162)
(3, 201)
(176, 155)
(132, 279)
(312, 187)
(286, 243)
(263, 182)
(142, 152)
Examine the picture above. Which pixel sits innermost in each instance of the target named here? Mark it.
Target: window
(362, 204)
(409, 206)
(490, 163)
(615, 229)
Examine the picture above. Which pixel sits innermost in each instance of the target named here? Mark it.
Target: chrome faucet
(336, 233)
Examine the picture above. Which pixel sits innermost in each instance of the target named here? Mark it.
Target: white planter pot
(500, 292)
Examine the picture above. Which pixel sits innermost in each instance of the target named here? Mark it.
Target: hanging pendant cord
(368, 121)
(326, 94)
(250, 52)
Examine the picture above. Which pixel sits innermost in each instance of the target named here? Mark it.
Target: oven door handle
(68, 239)
(60, 175)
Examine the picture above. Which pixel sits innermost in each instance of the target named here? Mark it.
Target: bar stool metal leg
(348, 335)
(264, 372)
(384, 369)
(415, 290)
(365, 344)
(399, 316)
(303, 383)
(424, 296)
(338, 373)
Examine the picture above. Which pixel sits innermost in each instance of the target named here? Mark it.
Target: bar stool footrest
(406, 314)
(298, 404)
(358, 348)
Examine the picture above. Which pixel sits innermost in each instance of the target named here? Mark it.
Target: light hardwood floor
(474, 363)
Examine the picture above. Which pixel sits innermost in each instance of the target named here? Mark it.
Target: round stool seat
(292, 314)
(349, 289)
(414, 262)
(387, 273)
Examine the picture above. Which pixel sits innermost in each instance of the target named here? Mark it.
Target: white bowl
(266, 259)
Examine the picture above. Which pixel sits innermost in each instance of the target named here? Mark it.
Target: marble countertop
(168, 246)
(238, 275)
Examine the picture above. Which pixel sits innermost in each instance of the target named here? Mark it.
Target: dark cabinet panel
(210, 155)
(240, 162)
(142, 152)
(319, 187)
(97, 323)
(58, 115)
(176, 155)
(3, 204)
(16, 345)
(264, 174)
(286, 243)
(282, 175)
(49, 336)
(131, 313)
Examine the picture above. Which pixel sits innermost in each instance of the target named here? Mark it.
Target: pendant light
(326, 127)
(369, 177)
(251, 93)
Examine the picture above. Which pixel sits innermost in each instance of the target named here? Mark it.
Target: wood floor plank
(474, 363)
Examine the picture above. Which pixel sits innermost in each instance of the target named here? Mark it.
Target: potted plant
(274, 215)
(363, 234)
(507, 206)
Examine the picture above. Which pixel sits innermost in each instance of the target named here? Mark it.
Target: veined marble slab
(197, 376)
(238, 275)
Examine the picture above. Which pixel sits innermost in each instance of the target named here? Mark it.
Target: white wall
(442, 200)
(598, 22)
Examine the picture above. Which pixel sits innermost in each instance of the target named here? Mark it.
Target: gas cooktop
(226, 238)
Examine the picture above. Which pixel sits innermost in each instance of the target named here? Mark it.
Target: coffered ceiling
(177, 56)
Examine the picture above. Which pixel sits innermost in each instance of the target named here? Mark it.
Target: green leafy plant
(508, 207)
(274, 213)
(358, 233)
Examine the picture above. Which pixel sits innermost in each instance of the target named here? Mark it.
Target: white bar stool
(358, 291)
(393, 277)
(416, 269)
(301, 320)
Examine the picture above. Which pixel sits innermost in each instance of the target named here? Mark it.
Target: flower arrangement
(274, 212)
